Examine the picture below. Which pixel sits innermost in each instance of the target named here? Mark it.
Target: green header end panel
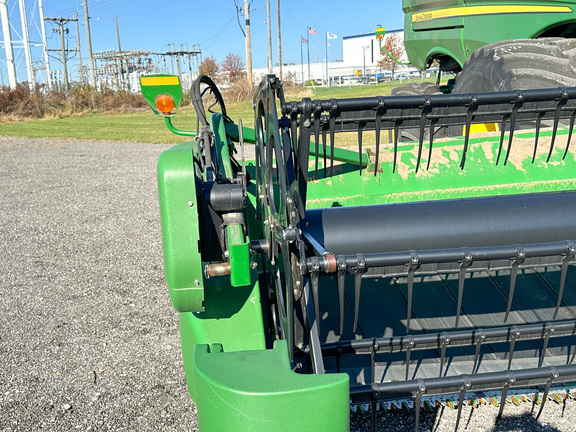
(154, 86)
(256, 391)
(180, 229)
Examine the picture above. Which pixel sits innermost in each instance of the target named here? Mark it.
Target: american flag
(311, 31)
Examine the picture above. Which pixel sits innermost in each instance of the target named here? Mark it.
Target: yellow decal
(159, 80)
(460, 12)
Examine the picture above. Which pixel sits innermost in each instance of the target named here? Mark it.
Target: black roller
(467, 222)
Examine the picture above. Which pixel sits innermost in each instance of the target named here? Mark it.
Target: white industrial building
(361, 54)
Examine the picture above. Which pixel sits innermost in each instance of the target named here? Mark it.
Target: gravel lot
(88, 338)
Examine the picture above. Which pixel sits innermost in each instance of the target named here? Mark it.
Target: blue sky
(211, 24)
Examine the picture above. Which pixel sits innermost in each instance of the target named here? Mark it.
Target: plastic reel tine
(324, 149)
(564, 270)
(396, 133)
(503, 398)
(375, 347)
(432, 127)
(316, 142)
(513, 274)
(316, 296)
(412, 266)
(461, 278)
(444, 342)
(548, 330)
(537, 134)
(332, 125)
(409, 348)
(425, 110)
(357, 287)
(377, 126)
(341, 285)
(461, 397)
(361, 125)
(473, 106)
(418, 402)
(374, 415)
(502, 133)
(479, 341)
(547, 390)
(519, 102)
(573, 354)
(513, 337)
(561, 102)
(570, 131)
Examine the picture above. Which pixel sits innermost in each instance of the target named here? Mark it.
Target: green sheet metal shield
(155, 86)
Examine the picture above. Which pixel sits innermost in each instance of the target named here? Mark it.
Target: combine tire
(519, 64)
(418, 88)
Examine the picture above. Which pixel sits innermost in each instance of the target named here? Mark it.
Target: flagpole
(302, 59)
(308, 48)
(327, 77)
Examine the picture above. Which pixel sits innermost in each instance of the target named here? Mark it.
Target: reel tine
(445, 342)
(563, 271)
(377, 126)
(514, 336)
(411, 345)
(432, 127)
(332, 126)
(375, 347)
(396, 133)
(548, 330)
(503, 400)
(361, 125)
(513, 274)
(374, 406)
(473, 106)
(316, 142)
(357, 288)
(418, 402)
(502, 133)
(461, 397)
(517, 105)
(412, 266)
(537, 134)
(479, 341)
(561, 102)
(461, 278)
(570, 130)
(324, 149)
(545, 396)
(341, 286)
(425, 110)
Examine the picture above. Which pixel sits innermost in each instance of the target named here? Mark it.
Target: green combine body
(331, 272)
(451, 30)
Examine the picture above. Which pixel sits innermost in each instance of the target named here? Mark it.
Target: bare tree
(233, 67)
(209, 67)
(393, 46)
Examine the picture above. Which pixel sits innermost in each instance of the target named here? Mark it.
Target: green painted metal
(154, 85)
(178, 131)
(238, 255)
(445, 179)
(456, 28)
(180, 228)
(256, 391)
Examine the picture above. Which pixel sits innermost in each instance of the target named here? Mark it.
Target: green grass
(144, 126)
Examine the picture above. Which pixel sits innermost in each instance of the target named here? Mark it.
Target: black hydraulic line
(418, 342)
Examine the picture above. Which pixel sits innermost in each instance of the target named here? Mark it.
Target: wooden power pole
(89, 41)
(248, 44)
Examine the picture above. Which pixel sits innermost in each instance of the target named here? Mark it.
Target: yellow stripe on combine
(159, 81)
(460, 12)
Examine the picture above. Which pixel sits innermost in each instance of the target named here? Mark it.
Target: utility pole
(279, 41)
(79, 50)
(11, 66)
(61, 21)
(269, 37)
(90, 57)
(248, 44)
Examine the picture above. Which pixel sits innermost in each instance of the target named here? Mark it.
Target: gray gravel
(88, 338)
